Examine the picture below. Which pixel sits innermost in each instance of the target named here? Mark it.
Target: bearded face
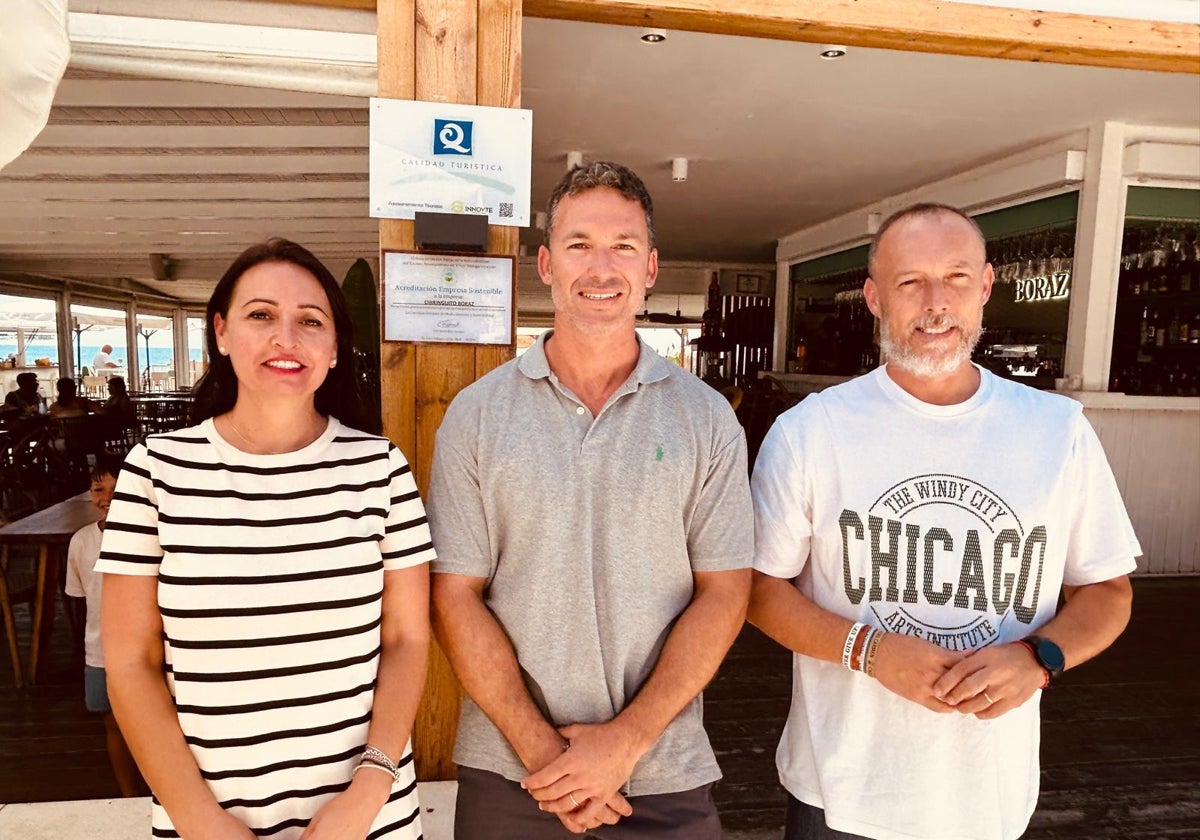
(908, 346)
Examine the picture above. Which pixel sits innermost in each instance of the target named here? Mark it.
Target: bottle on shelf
(1173, 329)
(801, 354)
(1146, 332)
(1194, 332)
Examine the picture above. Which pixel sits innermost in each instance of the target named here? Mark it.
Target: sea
(161, 358)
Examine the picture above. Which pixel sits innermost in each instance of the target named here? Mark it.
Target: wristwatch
(1048, 655)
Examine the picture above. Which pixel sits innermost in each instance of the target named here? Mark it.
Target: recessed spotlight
(832, 51)
(654, 36)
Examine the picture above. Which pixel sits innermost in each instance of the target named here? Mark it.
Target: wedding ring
(988, 698)
(574, 804)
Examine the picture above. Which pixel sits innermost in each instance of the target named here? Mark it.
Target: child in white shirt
(84, 583)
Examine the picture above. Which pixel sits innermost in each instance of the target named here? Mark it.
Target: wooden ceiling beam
(913, 25)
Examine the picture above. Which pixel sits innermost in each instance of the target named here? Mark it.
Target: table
(51, 530)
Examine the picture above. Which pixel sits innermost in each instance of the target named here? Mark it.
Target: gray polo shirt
(588, 532)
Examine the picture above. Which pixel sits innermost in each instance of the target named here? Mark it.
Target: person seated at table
(26, 398)
(69, 403)
(103, 359)
(119, 406)
(83, 585)
(266, 582)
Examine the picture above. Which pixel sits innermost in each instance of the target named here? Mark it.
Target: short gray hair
(602, 173)
(925, 208)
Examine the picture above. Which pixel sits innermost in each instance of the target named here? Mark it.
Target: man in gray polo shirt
(591, 513)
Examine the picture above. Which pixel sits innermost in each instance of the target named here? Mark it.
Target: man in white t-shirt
(103, 359)
(913, 530)
(83, 582)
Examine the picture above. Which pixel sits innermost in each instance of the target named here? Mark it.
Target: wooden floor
(1120, 742)
(1120, 734)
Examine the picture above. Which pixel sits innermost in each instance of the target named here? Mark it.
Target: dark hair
(925, 208)
(117, 384)
(27, 377)
(592, 176)
(338, 396)
(65, 387)
(107, 465)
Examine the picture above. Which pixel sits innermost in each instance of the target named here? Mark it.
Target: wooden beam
(461, 51)
(912, 25)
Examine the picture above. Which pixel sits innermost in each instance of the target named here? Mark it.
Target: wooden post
(459, 51)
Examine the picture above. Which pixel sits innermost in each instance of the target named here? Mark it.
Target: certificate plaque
(457, 298)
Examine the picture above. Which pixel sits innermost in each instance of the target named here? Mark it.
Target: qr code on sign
(506, 210)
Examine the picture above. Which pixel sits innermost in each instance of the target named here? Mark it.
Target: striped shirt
(270, 586)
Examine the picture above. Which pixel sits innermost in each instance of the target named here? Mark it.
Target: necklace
(255, 446)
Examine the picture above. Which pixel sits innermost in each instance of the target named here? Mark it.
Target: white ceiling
(777, 139)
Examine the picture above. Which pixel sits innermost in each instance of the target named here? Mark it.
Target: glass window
(28, 340)
(1025, 321)
(1156, 330)
(98, 341)
(156, 356)
(197, 351)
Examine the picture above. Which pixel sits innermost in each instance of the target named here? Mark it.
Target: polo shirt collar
(650, 367)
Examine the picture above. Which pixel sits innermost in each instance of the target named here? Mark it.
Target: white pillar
(1096, 269)
(783, 297)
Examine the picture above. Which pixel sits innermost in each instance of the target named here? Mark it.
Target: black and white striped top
(270, 580)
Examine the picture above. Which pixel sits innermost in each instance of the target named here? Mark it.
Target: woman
(119, 406)
(69, 403)
(265, 603)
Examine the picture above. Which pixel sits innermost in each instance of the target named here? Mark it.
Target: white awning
(34, 49)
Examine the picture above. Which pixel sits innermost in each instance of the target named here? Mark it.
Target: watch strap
(1033, 651)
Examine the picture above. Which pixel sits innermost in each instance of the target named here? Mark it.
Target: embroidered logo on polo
(935, 542)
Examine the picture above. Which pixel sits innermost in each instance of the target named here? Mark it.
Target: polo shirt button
(579, 410)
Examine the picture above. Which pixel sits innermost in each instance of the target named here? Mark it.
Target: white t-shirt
(101, 360)
(957, 524)
(83, 582)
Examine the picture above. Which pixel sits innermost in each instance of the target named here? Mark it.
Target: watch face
(1050, 655)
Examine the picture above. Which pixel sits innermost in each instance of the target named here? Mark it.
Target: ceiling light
(654, 36)
(832, 51)
(574, 159)
(679, 169)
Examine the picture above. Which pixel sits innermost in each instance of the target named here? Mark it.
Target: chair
(94, 386)
(18, 585)
(118, 439)
(160, 381)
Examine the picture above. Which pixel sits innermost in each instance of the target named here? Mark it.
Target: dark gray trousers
(807, 822)
(490, 807)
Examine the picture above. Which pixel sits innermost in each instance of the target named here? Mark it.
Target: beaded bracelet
(376, 756)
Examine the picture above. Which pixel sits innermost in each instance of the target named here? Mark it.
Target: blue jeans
(95, 690)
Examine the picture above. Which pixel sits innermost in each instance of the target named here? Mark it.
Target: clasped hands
(581, 784)
(986, 683)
